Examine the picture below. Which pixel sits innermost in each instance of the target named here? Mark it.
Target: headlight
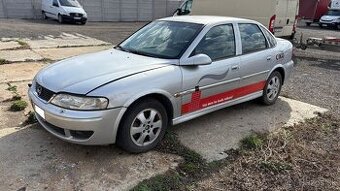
(80, 103)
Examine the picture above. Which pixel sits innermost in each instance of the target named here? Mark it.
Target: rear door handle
(235, 67)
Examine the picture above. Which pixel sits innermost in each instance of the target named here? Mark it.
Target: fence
(98, 10)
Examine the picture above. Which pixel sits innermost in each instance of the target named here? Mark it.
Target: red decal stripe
(197, 103)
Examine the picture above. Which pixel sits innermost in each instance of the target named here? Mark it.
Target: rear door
(256, 59)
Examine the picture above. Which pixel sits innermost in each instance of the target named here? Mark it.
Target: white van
(64, 10)
(279, 16)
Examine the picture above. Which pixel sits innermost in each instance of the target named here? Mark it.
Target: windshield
(162, 39)
(69, 3)
(333, 13)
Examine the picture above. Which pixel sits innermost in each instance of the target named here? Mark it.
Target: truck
(279, 16)
(310, 11)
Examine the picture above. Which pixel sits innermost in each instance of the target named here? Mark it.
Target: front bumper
(67, 18)
(80, 127)
(329, 23)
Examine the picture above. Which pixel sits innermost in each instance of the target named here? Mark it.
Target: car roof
(205, 19)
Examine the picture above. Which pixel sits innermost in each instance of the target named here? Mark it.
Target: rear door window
(218, 43)
(252, 38)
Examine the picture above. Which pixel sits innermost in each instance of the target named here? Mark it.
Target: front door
(54, 9)
(209, 85)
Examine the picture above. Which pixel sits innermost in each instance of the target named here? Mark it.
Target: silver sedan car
(170, 71)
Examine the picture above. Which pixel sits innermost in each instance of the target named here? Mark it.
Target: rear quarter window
(271, 40)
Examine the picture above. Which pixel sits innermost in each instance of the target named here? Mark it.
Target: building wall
(98, 10)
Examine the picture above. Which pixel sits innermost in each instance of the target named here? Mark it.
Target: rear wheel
(60, 19)
(308, 24)
(143, 127)
(272, 88)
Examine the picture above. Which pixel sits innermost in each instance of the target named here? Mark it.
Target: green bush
(18, 105)
(31, 118)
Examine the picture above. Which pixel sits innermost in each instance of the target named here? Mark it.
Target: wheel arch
(163, 97)
(281, 70)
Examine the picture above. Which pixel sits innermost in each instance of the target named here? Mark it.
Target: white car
(170, 71)
(64, 11)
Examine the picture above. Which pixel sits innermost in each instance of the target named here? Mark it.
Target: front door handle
(235, 67)
(269, 58)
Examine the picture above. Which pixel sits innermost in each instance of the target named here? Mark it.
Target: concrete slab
(64, 42)
(31, 158)
(9, 45)
(17, 72)
(62, 53)
(215, 133)
(19, 55)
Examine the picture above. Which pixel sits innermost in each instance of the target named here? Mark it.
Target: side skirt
(204, 111)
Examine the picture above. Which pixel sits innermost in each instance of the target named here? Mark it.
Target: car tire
(44, 15)
(308, 24)
(143, 126)
(272, 89)
(60, 19)
(320, 25)
(83, 23)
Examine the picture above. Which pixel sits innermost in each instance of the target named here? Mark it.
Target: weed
(46, 60)
(12, 88)
(169, 181)
(275, 167)
(18, 105)
(253, 141)
(23, 44)
(31, 119)
(3, 61)
(16, 97)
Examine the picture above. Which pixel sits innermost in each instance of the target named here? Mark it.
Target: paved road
(113, 32)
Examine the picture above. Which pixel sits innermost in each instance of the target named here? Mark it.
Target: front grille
(43, 93)
(76, 14)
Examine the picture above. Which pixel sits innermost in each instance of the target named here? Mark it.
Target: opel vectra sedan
(170, 71)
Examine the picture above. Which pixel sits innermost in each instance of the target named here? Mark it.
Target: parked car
(170, 71)
(279, 16)
(332, 17)
(310, 11)
(64, 11)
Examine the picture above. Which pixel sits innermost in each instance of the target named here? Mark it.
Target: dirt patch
(301, 157)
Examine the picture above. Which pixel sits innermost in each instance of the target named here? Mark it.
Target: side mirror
(178, 11)
(197, 60)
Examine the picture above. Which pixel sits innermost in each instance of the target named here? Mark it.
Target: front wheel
(44, 15)
(272, 89)
(143, 127)
(60, 19)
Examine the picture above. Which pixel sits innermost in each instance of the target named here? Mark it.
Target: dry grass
(302, 157)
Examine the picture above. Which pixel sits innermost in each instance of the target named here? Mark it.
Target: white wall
(98, 10)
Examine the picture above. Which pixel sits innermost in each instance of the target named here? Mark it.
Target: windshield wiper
(122, 49)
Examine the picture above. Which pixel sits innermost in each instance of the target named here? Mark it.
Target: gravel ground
(315, 79)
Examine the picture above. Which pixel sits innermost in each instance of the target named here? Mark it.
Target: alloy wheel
(146, 127)
(273, 88)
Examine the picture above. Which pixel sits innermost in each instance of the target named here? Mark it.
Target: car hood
(82, 74)
(73, 10)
